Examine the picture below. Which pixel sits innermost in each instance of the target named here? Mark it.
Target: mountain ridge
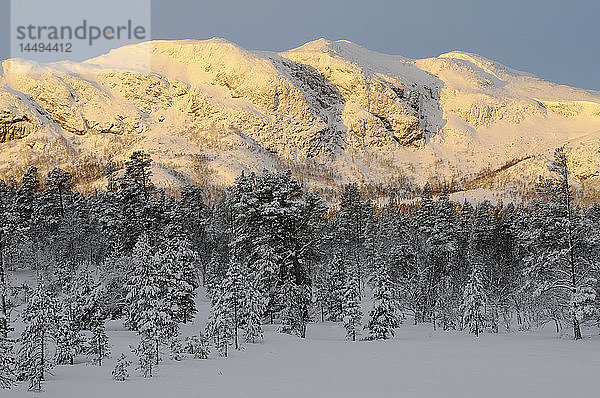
(209, 109)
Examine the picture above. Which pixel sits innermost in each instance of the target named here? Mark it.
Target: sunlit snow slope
(332, 111)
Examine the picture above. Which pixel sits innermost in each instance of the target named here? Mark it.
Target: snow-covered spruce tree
(69, 340)
(334, 298)
(254, 308)
(351, 309)
(464, 226)
(24, 206)
(135, 199)
(447, 304)
(150, 310)
(6, 194)
(197, 346)
(115, 276)
(424, 267)
(40, 317)
(84, 300)
(81, 304)
(444, 249)
(192, 215)
(7, 358)
(220, 326)
(320, 286)
(557, 264)
(508, 275)
(176, 349)
(351, 229)
(295, 300)
(98, 344)
(275, 234)
(252, 239)
(143, 276)
(178, 270)
(234, 296)
(433, 251)
(121, 372)
(384, 317)
(146, 355)
(156, 320)
(107, 211)
(409, 266)
(58, 187)
(473, 301)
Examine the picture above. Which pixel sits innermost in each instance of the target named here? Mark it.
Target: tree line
(271, 251)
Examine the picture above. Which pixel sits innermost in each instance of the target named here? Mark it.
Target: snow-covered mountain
(332, 111)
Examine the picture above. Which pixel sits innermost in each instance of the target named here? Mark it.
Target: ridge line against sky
(553, 39)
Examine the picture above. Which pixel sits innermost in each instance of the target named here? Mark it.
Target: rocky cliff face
(332, 110)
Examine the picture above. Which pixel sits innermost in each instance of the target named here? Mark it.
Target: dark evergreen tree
(41, 318)
(220, 325)
(98, 346)
(474, 301)
(334, 284)
(425, 267)
(58, 187)
(352, 223)
(557, 266)
(120, 372)
(143, 277)
(69, 340)
(193, 216)
(5, 233)
(7, 358)
(234, 296)
(146, 355)
(197, 346)
(178, 271)
(136, 200)
(351, 307)
(384, 317)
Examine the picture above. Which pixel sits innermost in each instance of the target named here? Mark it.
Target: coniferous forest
(270, 251)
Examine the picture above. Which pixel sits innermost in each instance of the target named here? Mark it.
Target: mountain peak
(335, 110)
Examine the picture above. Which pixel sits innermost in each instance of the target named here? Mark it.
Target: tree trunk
(576, 328)
(42, 356)
(235, 321)
(157, 353)
(3, 309)
(100, 353)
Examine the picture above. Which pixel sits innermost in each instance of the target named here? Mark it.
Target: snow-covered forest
(269, 254)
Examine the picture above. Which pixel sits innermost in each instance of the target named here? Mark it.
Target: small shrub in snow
(197, 346)
(176, 349)
(120, 372)
(145, 352)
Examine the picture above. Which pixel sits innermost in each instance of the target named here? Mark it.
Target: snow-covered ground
(418, 362)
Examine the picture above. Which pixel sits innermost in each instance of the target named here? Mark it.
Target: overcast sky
(558, 40)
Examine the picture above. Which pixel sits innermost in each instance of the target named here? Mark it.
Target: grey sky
(557, 40)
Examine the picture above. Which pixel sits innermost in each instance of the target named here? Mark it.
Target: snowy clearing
(417, 362)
